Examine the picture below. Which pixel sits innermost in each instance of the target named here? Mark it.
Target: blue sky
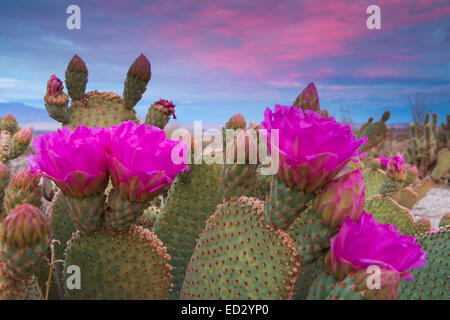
(217, 58)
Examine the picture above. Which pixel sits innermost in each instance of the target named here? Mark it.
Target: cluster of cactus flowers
(227, 231)
(13, 140)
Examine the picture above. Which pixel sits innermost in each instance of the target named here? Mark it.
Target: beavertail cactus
(159, 113)
(13, 139)
(375, 132)
(95, 109)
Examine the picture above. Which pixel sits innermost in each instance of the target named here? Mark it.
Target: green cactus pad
(76, 77)
(99, 109)
(238, 179)
(262, 185)
(87, 213)
(432, 281)
(390, 187)
(239, 256)
(373, 179)
(284, 204)
(445, 220)
(313, 239)
(61, 228)
(118, 265)
(423, 187)
(191, 200)
(307, 275)
(122, 212)
(443, 164)
(16, 195)
(27, 289)
(16, 148)
(156, 117)
(387, 210)
(421, 226)
(148, 218)
(375, 132)
(21, 262)
(325, 287)
(406, 197)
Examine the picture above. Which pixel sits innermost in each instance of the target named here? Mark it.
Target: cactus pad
(118, 265)
(239, 256)
(406, 197)
(432, 281)
(191, 200)
(373, 179)
(387, 210)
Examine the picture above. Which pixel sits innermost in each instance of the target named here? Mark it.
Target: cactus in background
(138, 265)
(4, 180)
(445, 220)
(442, 166)
(426, 140)
(159, 113)
(13, 139)
(375, 132)
(95, 108)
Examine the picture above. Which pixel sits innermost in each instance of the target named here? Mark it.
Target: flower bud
(24, 226)
(341, 198)
(308, 99)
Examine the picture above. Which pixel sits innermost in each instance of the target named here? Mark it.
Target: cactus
(13, 139)
(23, 188)
(375, 132)
(432, 281)
(189, 203)
(159, 113)
(425, 142)
(235, 253)
(386, 210)
(95, 108)
(406, 197)
(443, 164)
(421, 226)
(374, 180)
(137, 268)
(445, 220)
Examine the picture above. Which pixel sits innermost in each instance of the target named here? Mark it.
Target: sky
(216, 58)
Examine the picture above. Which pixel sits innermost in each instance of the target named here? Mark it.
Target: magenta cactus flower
(397, 168)
(361, 244)
(384, 161)
(341, 198)
(312, 149)
(140, 160)
(168, 106)
(74, 160)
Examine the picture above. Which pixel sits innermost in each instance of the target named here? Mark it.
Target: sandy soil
(434, 205)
